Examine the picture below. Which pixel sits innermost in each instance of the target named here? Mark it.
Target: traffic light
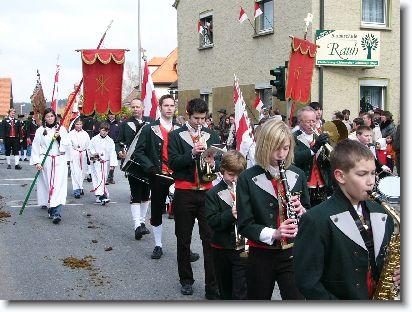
(279, 82)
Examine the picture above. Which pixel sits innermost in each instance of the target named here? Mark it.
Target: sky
(34, 33)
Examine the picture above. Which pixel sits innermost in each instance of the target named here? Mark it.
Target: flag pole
(67, 109)
(54, 85)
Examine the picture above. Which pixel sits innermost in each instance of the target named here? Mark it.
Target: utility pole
(139, 47)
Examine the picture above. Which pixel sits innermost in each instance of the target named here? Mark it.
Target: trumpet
(205, 170)
(240, 241)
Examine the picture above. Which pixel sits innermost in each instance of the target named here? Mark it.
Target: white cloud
(33, 33)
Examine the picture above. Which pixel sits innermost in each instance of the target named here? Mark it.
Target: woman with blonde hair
(262, 213)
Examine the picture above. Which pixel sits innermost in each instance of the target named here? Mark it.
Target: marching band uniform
(152, 154)
(316, 167)
(52, 182)
(79, 141)
(258, 217)
(105, 148)
(330, 256)
(189, 203)
(229, 265)
(10, 132)
(139, 191)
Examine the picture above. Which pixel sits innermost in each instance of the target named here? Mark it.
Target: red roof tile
(167, 72)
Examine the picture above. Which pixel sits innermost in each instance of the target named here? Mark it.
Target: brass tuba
(205, 172)
(385, 288)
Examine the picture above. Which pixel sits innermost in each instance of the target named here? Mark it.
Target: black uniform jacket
(149, 146)
(304, 159)
(219, 203)
(127, 132)
(330, 256)
(180, 152)
(5, 128)
(257, 204)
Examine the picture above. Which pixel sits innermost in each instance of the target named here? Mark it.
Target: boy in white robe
(79, 142)
(52, 181)
(103, 154)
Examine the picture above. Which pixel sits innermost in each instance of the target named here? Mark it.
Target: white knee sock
(16, 160)
(157, 231)
(143, 211)
(24, 154)
(135, 208)
(8, 160)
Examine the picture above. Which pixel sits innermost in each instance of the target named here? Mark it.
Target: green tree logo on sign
(369, 42)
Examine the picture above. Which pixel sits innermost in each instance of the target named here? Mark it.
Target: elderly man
(311, 156)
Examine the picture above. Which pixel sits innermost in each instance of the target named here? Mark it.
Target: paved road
(33, 249)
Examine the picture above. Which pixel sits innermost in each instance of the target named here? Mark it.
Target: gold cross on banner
(101, 84)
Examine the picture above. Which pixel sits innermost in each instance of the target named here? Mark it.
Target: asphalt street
(33, 249)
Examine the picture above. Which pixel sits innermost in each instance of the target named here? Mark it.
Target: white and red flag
(148, 98)
(199, 27)
(245, 142)
(258, 10)
(258, 105)
(55, 93)
(242, 15)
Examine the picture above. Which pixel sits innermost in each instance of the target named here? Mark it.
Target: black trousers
(230, 273)
(139, 191)
(11, 146)
(160, 190)
(188, 205)
(267, 266)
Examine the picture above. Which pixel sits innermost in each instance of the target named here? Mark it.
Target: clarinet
(290, 213)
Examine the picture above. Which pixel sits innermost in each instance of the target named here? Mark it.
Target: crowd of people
(301, 216)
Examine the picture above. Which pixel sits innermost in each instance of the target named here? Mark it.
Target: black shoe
(144, 229)
(89, 178)
(186, 289)
(194, 256)
(20, 159)
(212, 295)
(57, 219)
(104, 200)
(25, 159)
(138, 233)
(157, 253)
(18, 167)
(81, 192)
(77, 196)
(8, 166)
(43, 207)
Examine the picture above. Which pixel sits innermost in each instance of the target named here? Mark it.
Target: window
(206, 35)
(264, 22)
(265, 96)
(372, 94)
(375, 13)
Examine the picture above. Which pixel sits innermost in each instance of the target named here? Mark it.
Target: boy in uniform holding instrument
(340, 246)
(221, 216)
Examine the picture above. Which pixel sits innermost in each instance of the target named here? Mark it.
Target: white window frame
(385, 23)
(205, 42)
(260, 89)
(258, 21)
(206, 95)
(383, 83)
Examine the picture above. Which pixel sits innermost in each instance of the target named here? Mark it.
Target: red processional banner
(300, 70)
(102, 77)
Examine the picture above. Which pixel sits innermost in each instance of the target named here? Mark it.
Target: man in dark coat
(10, 134)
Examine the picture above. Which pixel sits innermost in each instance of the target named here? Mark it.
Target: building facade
(223, 47)
(6, 96)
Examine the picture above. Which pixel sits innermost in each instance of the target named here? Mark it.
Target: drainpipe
(321, 26)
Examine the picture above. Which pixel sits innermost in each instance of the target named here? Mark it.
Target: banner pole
(67, 109)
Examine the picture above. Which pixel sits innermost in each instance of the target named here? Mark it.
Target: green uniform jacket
(180, 152)
(257, 204)
(219, 216)
(303, 159)
(149, 146)
(330, 257)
